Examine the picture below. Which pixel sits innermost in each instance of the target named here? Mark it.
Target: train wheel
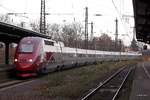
(76, 64)
(95, 63)
(58, 68)
(42, 70)
(62, 67)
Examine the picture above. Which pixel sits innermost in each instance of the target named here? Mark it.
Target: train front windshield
(26, 48)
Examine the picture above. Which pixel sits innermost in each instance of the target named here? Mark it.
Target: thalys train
(36, 55)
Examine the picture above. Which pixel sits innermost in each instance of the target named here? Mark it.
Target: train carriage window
(48, 42)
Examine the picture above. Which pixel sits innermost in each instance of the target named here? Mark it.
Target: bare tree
(71, 34)
(35, 26)
(104, 42)
(53, 30)
(6, 19)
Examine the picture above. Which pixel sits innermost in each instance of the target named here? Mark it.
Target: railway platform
(140, 89)
(4, 67)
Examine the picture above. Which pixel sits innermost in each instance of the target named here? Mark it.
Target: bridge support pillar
(6, 53)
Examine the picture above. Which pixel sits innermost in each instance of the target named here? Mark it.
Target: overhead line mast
(86, 28)
(116, 33)
(42, 18)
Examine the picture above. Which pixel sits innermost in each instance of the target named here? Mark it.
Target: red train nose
(24, 66)
(24, 63)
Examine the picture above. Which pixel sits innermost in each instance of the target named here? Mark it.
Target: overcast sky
(104, 23)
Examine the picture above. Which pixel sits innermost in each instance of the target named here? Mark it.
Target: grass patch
(72, 84)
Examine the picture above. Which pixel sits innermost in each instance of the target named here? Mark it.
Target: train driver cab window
(48, 42)
(26, 48)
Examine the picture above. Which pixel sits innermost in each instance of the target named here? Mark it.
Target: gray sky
(103, 23)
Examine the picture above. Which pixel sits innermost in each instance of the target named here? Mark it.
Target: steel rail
(99, 86)
(15, 83)
(123, 82)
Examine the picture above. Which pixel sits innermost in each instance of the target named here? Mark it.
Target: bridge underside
(142, 20)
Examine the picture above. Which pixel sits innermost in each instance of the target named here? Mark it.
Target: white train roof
(59, 47)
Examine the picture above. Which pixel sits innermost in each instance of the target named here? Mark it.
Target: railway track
(111, 87)
(9, 80)
(14, 83)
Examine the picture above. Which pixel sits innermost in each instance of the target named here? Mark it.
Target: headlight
(16, 60)
(30, 60)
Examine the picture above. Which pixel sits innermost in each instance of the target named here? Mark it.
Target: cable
(123, 24)
(116, 7)
(6, 8)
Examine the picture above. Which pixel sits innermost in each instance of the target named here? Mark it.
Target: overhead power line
(116, 7)
(120, 16)
(6, 8)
